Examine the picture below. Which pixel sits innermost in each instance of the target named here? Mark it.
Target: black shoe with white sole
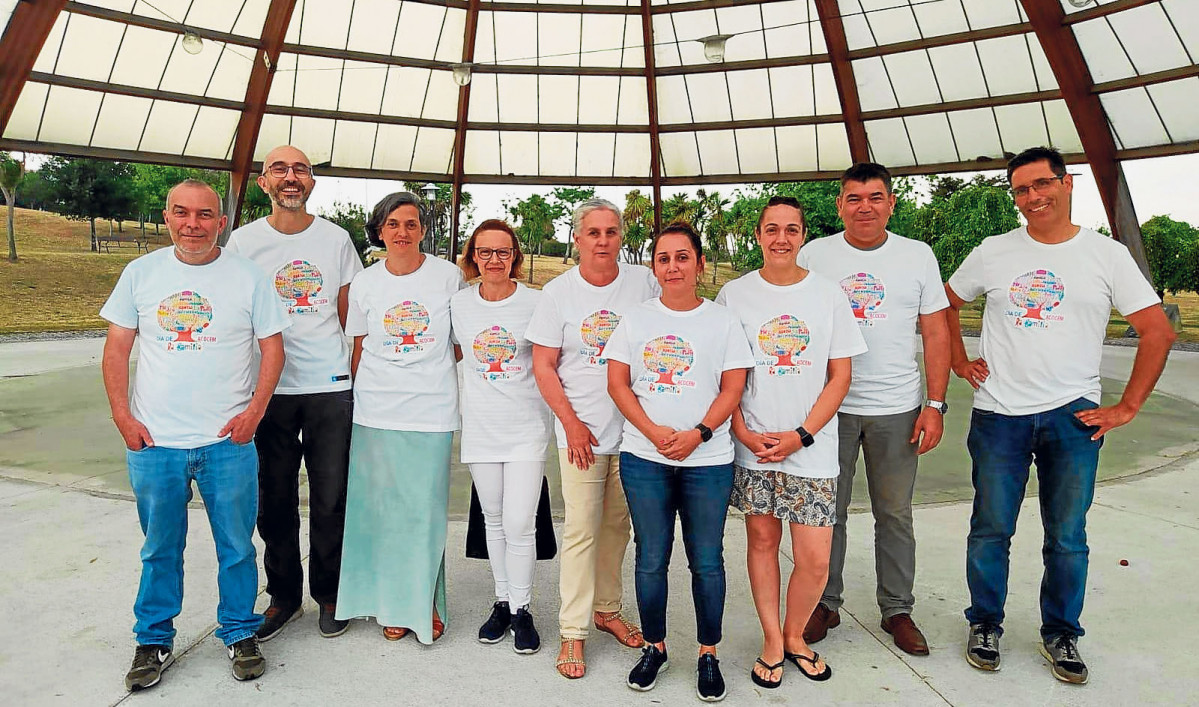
(644, 674)
(709, 683)
(525, 638)
(496, 625)
(275, 618)
(148, 664)
(329, 625)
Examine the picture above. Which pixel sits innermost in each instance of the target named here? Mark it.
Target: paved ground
(71, 572)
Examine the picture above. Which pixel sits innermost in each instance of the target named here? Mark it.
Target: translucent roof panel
(560, 91)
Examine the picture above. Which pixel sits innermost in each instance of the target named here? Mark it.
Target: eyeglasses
(1039, 185)
(501, 253)
(280, 169)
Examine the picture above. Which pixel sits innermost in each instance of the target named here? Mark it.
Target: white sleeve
(545, 328)
(120, 309)
(1131, 292)
(619, 344)
(722, 298)
(846, 336)
(932, 291)
(968, 281)
(350, 264)
(737, 351)
(356, 322)
(267, 314)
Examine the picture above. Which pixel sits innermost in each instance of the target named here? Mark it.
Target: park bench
(105, 243)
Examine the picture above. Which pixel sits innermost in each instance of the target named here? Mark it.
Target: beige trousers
(595, 535)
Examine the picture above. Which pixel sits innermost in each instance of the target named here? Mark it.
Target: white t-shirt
(307, 270)
(504, 418)
(406, 377)
(675, 362)
(888, 289)
(198, 327)
(578, 317)
(1046, 315)
(793, 331)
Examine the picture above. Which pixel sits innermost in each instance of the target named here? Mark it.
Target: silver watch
(937, 405)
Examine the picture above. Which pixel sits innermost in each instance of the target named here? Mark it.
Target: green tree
(88, 189)
(955, 224)
(11, 172)
(1172, 248)
(441, 221)
(533, 220)
(638, 223)
(152, 183)
(566, 200)
(678, 207)
(351, 217)
(34, 192)
(716, 226)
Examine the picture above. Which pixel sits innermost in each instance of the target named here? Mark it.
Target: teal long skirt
(393, 554)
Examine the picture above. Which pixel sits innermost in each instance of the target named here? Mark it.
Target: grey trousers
(891, 479)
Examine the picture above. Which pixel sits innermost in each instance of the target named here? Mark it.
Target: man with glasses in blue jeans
(1050, 289)
(199, 311)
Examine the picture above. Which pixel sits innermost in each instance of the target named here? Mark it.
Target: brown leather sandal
(570, 659)
(438, 628)
(632, 637)
(394, 633)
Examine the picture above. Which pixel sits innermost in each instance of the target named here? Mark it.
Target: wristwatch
(937, 405)
(805, 437)
(705, 432)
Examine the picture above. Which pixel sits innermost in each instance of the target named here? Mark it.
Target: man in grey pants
(893, 284)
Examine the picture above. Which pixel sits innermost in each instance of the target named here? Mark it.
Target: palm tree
(716, 230)
(638, 222)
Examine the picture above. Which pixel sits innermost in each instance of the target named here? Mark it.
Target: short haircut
(678, 227)
(1036, 154)
(388, 204)
(863, 172)
(783, 201)
(581, 211)
(200, 184)
(470, 269)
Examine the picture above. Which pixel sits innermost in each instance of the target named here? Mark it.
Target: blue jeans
(700, 497)
(227, 476)
(1002, 447)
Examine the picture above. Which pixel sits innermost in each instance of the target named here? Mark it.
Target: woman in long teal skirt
(405, 414)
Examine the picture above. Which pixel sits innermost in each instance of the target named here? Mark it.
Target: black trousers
(315, 426)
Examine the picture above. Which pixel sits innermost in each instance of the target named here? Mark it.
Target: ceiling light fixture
(192, 44)
(1080, 3)
(462, 73)
(714, 47)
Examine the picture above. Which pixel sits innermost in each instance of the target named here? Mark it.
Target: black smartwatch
(705, 432)
(805, 437)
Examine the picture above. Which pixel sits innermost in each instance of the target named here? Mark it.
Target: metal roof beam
(1074, 78)
(847, 88)
(468, 56)
(1104, 10)
(135, 20)
(651, 92)
(266, 59)
(27, 30)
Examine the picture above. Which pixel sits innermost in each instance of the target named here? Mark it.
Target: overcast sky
(1161, 186)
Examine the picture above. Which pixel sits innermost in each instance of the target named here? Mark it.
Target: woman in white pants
(505, 423)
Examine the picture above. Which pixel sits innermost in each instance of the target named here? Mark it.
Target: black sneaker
(524, 634)
(644, 674)
(248, 661)
(496, 625)
(709, 683)
(148, 664)
(330, 626)
(276, 617)
(1064, 660)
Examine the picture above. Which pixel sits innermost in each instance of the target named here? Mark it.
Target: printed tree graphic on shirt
(666, 357)
(494, 347)
(185, 313)
(299, 280)
(1037, 292)
(407, 320)
(865, 293)
(597, 328)
(784, 337)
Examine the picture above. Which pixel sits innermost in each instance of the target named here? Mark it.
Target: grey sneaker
(148, 664)
(982, 648)
(1064, 660)
(248, 661)
(330, 626)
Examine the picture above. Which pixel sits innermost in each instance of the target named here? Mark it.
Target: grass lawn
(57, 284)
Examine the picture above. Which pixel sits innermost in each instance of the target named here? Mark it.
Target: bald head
(286, 154)
(287, 179)
(196, 184)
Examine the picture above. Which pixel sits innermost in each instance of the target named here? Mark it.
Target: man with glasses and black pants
(1050, 289)
(310, 261)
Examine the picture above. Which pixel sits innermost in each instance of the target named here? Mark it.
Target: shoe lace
(1069, 650)
(144, 656)
(647, 656)
(707, 667)
(987, 638)
(247, 647)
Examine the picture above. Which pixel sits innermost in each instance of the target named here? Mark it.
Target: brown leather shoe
(907, 636)
(822, 619)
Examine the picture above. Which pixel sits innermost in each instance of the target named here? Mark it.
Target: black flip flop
(820, 677)
(763, 682)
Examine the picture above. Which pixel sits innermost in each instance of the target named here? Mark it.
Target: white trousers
(508, 494)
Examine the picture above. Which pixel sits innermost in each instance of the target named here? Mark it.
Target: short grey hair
(581, 211)
(390, 203)
(198, 184)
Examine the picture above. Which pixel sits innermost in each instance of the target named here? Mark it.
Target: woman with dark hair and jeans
(505, 423)
(676, 369)
(803, 334)
(405, 414)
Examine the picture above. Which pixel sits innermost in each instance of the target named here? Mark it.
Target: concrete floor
(71, 569)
